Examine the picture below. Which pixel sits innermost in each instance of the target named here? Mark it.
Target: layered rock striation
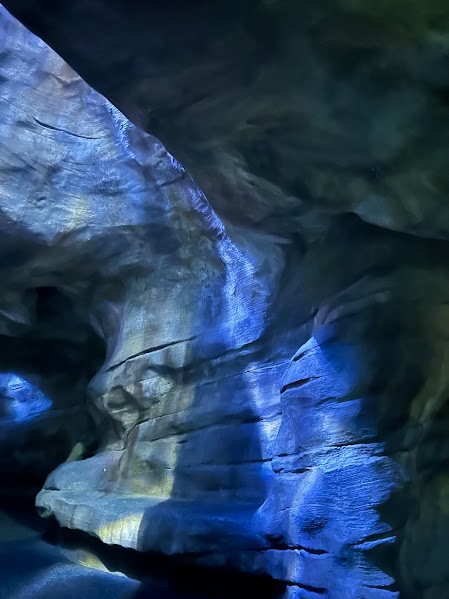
(272, 396)
(183, 426)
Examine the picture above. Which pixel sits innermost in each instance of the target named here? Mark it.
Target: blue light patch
(20, 400)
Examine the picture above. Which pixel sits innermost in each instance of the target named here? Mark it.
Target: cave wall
(285, 113)
(181, 302)
(271, 401)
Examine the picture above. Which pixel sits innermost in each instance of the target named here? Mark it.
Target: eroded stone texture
(181, 302)
(285, 112)
(326, 469)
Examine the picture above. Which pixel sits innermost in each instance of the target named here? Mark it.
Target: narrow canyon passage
(224, 310)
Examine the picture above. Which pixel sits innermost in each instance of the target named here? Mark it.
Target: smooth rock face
(275, 407)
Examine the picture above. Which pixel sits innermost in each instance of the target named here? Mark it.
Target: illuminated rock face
(277, 407)
(186, 403)
(285, 112)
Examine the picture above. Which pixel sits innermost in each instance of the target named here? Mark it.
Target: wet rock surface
(272, 394)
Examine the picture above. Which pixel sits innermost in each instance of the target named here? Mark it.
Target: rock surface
(285, 112)
(182, 304)
(31, 567)
(324, 466)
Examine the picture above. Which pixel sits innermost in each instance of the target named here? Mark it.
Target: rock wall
(273, 402)
(182, 304)
(285, 112)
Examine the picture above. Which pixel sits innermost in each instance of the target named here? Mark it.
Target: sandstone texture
(259, 372)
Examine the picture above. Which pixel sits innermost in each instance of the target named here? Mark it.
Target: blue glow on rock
(244, 296)
(20, 400)
(121, 127)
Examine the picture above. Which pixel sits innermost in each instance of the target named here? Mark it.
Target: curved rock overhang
(286, 113)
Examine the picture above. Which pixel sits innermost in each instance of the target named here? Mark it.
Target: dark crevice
(152, 350)
(53, 128)
(320, 591)
(44, 372)
(177, 574)
(286, 547)
(299, 383)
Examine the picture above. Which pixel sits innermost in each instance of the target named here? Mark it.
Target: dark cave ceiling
(284, 112)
